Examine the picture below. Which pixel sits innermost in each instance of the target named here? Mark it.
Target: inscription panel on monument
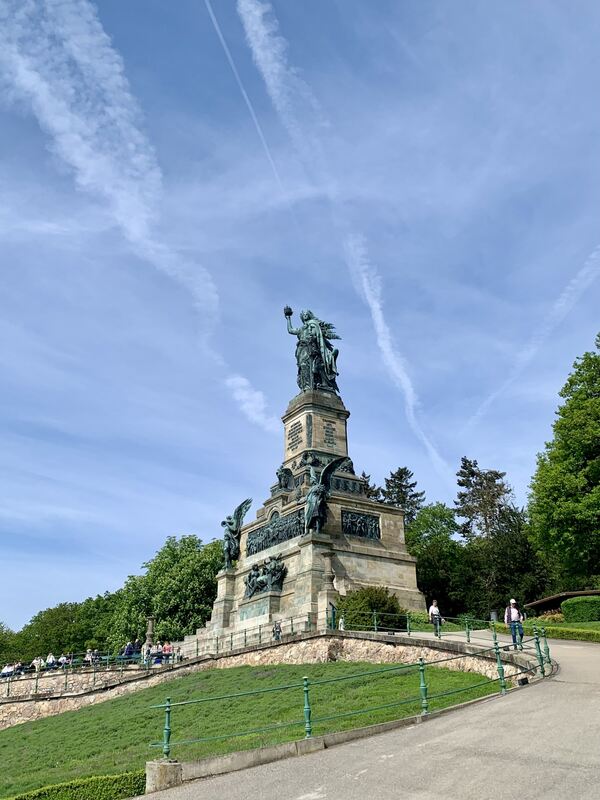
(257, 608)
(277, 530)
(355, 523)
(329, 433)
(294, 439)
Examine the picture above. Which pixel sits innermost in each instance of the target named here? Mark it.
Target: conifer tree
(373, 491)
(400, 490)
(484, 494)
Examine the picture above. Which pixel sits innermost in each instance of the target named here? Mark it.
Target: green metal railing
(103, 664)
(421, 698)
(260, 634)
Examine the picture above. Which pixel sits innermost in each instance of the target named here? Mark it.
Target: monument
(318, 535)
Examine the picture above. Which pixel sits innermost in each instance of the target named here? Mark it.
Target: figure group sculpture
(268, 577)
(316, 357)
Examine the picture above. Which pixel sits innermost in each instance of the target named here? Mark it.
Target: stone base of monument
(304, 549)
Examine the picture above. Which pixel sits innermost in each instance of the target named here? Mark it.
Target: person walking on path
(435, 617)
(514, 619)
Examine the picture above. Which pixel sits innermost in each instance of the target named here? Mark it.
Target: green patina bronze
(231, 537)
(315, 510)
(316, 357)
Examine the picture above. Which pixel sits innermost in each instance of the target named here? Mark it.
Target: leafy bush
(549, 617)
(581, 609)
(357, 608)
(99, 787)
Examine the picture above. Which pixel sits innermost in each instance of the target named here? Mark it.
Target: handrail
(422, 697)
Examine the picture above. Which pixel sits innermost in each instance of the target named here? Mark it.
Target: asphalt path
(542, 741)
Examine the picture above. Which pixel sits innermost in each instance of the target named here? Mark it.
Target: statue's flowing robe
(312, 329)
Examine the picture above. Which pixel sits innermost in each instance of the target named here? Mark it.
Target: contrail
(370, 283)
(244, 93)
(570, 295)
(287, 91)
(56, 57)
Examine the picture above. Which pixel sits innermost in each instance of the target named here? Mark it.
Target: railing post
(500, 665)
(546, 648)
(538, 652)
(167, 730)
(260, 634)
(37, 678)
(94, 677)
(408, 623)
(375, 621)
(245, 638)
(66, 676)
(8, 686)
(467, 630)
(291, 625)
(307, 722)
(217, 645)
(197, 647)
(231, 641)
(423, 688)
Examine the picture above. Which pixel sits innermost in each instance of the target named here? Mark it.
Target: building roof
(556, 599)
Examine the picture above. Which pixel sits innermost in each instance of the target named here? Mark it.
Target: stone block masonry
(306, 648)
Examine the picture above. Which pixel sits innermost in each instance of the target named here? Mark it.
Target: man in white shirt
(435, 617)
(514, 619)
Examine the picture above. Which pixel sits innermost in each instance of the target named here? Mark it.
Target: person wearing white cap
(514, 618)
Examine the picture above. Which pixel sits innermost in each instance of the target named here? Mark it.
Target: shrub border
(97, 787)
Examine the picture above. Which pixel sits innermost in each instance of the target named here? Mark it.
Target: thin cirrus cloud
(563, 305)
(294, 101)
(56, 58)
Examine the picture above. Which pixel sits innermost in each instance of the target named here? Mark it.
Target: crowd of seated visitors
(131, 652)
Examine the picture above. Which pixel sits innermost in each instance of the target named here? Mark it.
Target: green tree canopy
(499, 566)
(178, 589)
(565, 490)
(432, 540)
(481, 497)
(400, 490)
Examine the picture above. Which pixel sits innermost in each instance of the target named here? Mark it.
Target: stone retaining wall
(303, 649)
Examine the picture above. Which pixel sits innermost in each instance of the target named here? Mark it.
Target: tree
(400, 491)
(431, 539)
(373, 492)
(502, 565)
(7, 644)
(565, 490)
(178, 589)
(484, 493)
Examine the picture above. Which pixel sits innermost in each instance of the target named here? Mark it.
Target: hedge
(99, 787)
(581, 609)
(580, 634)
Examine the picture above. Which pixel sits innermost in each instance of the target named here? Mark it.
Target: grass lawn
(114, 736)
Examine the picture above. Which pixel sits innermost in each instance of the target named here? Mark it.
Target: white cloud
(293, 101)
(252, 403)
(562, 306)
(57, 59)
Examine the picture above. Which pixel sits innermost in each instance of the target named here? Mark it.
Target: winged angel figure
(231, 536)
(315, 510)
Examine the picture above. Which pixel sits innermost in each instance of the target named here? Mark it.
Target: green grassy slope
(114, 736)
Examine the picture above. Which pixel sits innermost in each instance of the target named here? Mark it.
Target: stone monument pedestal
(353, 542)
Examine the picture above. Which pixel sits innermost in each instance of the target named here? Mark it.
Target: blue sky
(422, 174)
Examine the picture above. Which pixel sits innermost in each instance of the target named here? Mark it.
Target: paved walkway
(540, 742)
